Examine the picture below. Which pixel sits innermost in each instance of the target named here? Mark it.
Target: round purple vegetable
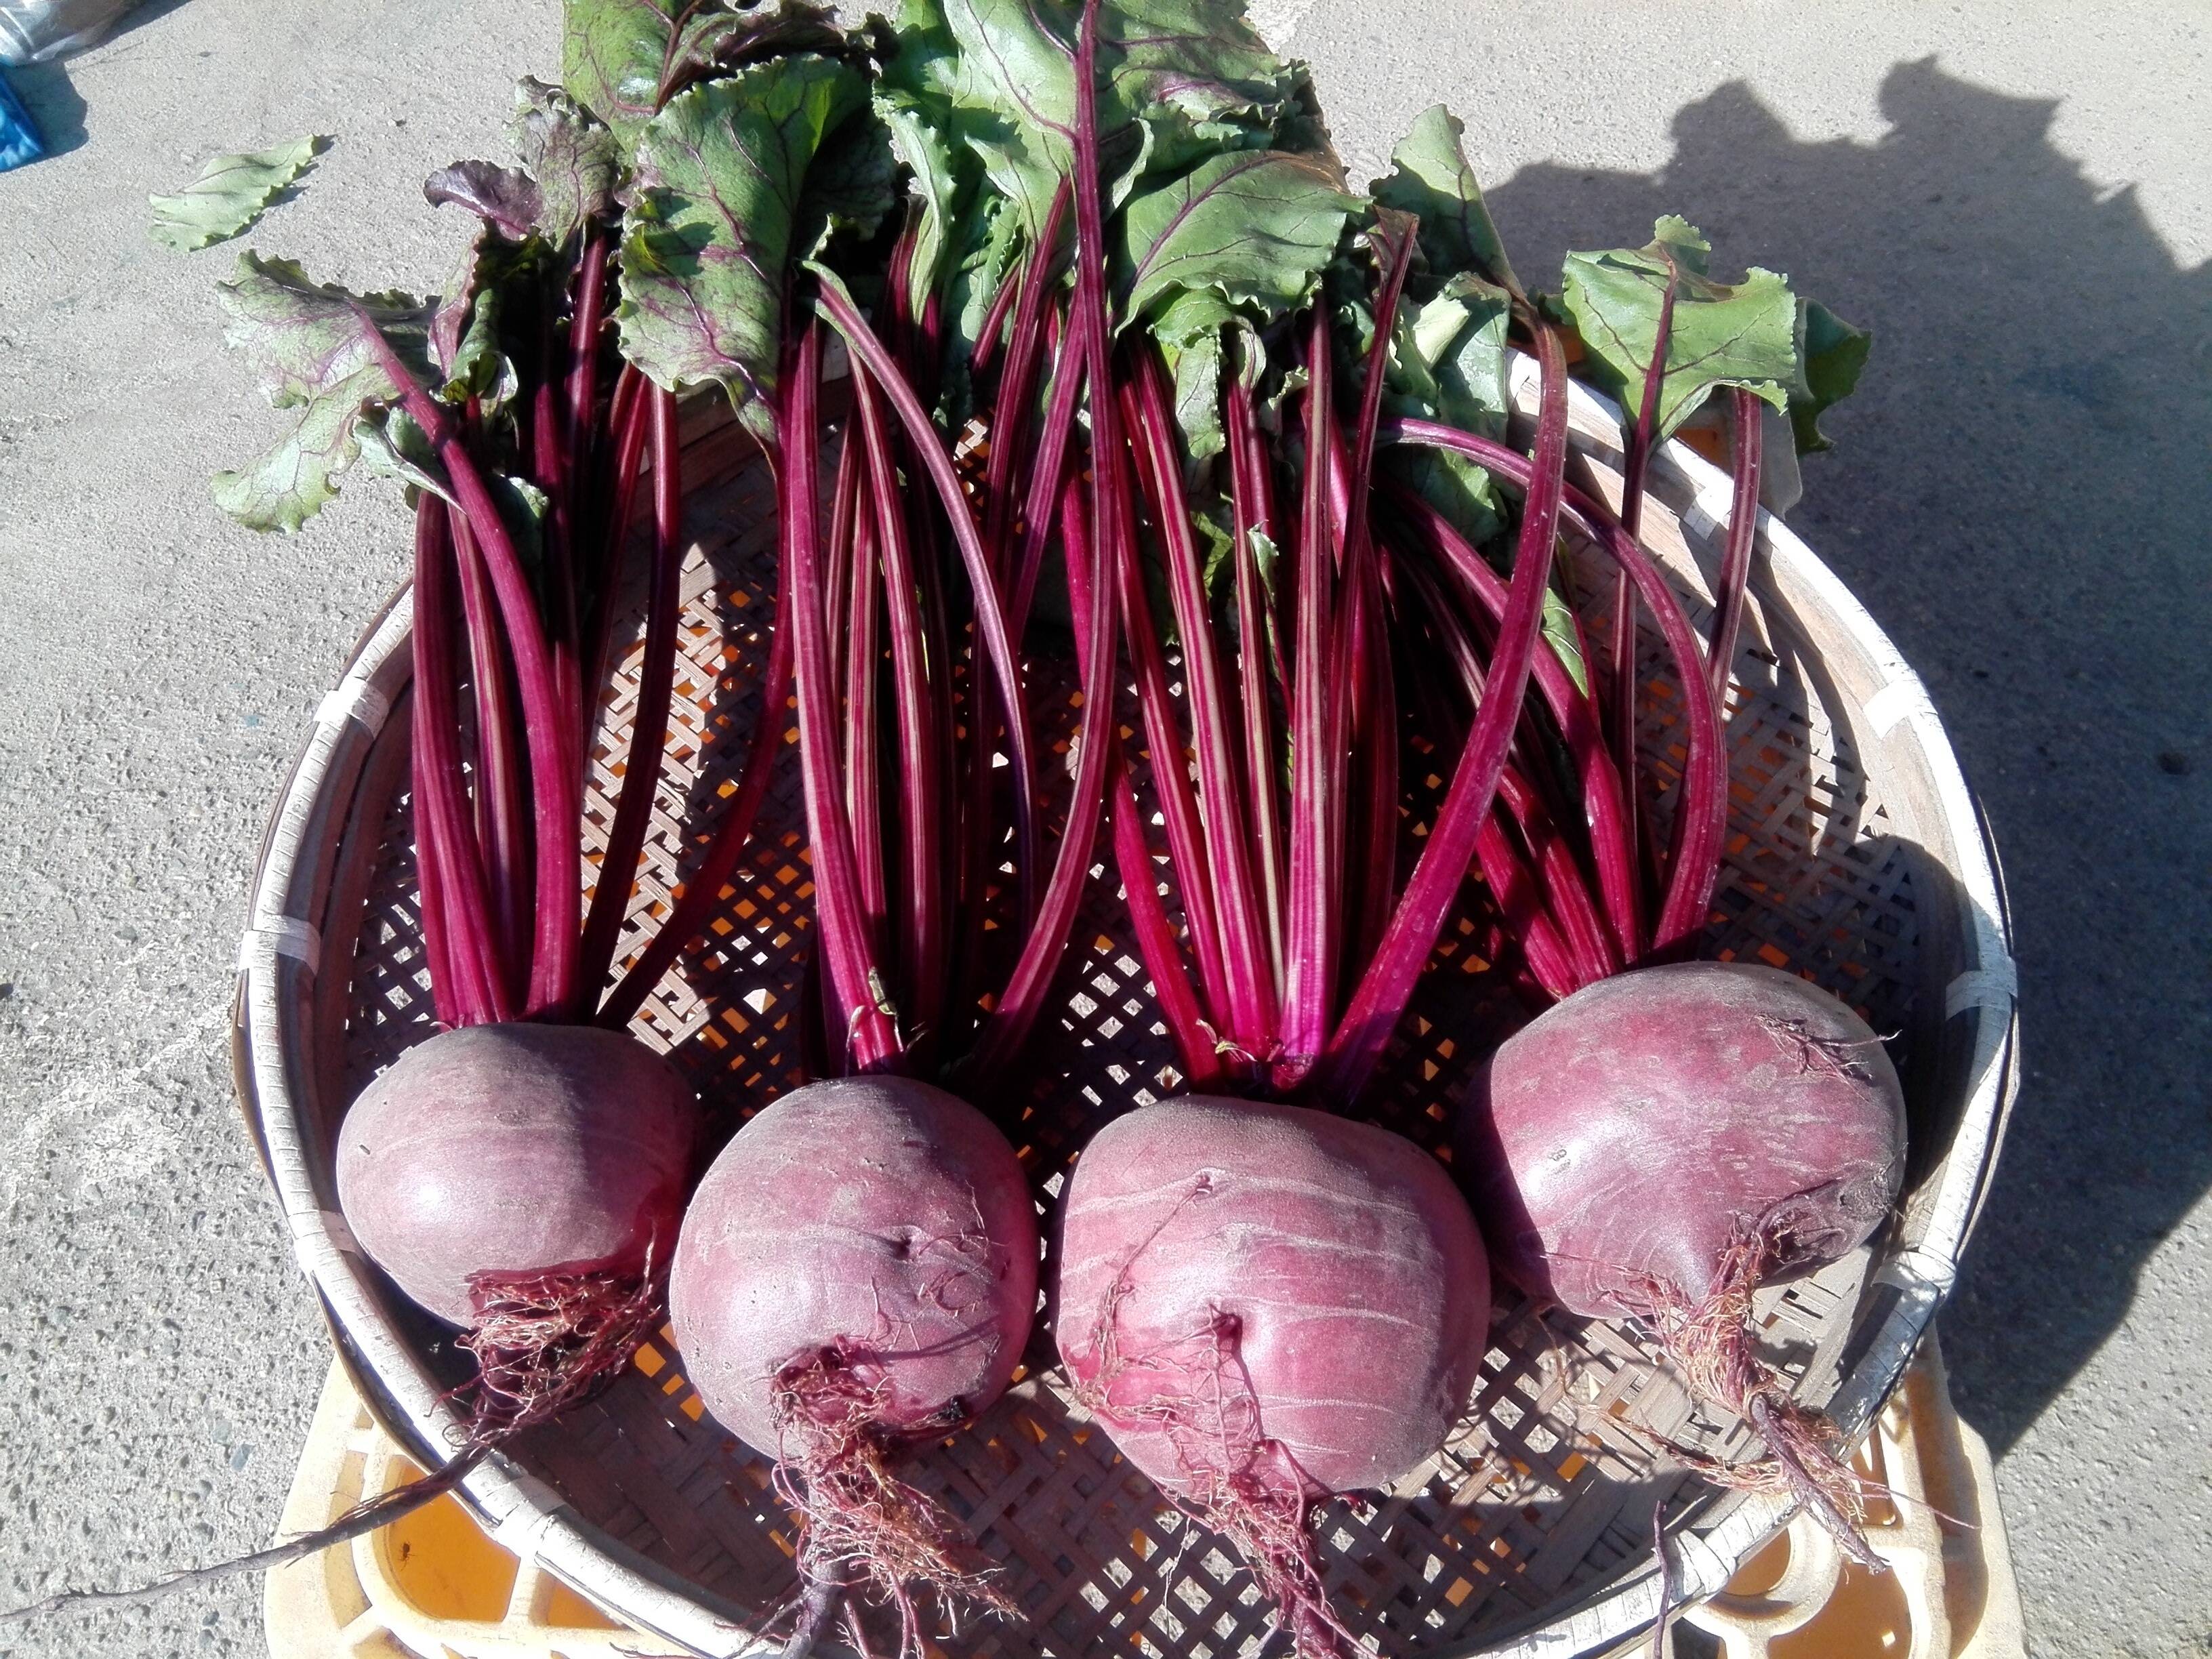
(1664, 1142)
(514, 1177)
(1265, 1304)
(857, 1273)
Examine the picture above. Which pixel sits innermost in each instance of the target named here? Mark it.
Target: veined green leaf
(1253, 226)
(621, 59)
(1196, 73)
(1430, 178)
(851, 185)
(1448, 363)
(1742, 335)
(1830, 354)
(1559, 626)
(505, 198)
(709, 238)
(1180, 80)
(920, 147)
(396, 446)
(231, 192)
(1190, 330)
(330, 355)
(573, 158)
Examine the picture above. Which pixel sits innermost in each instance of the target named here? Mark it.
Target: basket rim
(279, 956)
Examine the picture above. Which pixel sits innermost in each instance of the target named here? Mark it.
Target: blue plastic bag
(19, 139)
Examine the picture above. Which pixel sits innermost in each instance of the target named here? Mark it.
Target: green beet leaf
(1430, 180)
(709, 239)
(1722, 335)
(572, 157)
(919, 146)
(231, 192)
(1830, 354)
(623, 59)
(334, 357)
(1255, 226)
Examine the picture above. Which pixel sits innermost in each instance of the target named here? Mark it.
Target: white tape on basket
(521, 1532)
(1995, 983)
(1699, 1569)
(319, 1239)
(1902, 698)
(281, 936)
(357, 700)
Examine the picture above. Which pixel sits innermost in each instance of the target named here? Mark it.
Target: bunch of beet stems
(1571, 877)
(1303, 951)
(941, 911)
(500, 786)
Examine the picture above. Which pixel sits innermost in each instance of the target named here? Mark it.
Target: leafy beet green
(230, 194)
(708, 237)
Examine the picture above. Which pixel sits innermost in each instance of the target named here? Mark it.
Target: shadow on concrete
(56, 109)
(2021, 492)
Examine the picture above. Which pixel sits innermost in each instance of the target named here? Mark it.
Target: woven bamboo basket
(1856, 857)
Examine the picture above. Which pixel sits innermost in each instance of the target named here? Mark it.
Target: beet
(857, 1273)
(1662, 1143)
(526, 1182)
(1264, 1304)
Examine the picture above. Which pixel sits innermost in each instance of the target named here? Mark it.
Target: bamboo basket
(1856, 856)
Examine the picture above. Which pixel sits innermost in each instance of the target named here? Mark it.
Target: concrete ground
(2013, 197)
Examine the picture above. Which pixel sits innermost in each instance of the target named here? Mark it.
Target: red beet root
(1265, 1304)
(526, 1182)
(857, 1273)
(1663, 1142)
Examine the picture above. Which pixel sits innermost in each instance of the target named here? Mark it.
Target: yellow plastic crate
(434, 1586)
(431, 1585)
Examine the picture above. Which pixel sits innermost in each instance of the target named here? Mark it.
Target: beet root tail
(1262, 1510)
(860, 1526)
(547, 1342)
(1805, 1458)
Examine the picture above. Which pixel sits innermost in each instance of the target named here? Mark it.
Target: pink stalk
(1576, 950)
(1576, 718)
(1375, 733)
(1171, 786)
(921, 913)
(649, 733)
(502, 823)
(1010, 417)
(702, 891)
(1529, 926)
(859, 641)
(630, 422)
(1689, 892)
(1387, 987)
(871, 1042)
(1017, 1011)
(1316, 760)
(1248, 511)
(1155, 935)
(584, 352)
(1248, 972)
(869, 353)
(1635, 464)
(1742, 537)
(1566, 897)
(1044, 482)
(994, 321)
(479, 991)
